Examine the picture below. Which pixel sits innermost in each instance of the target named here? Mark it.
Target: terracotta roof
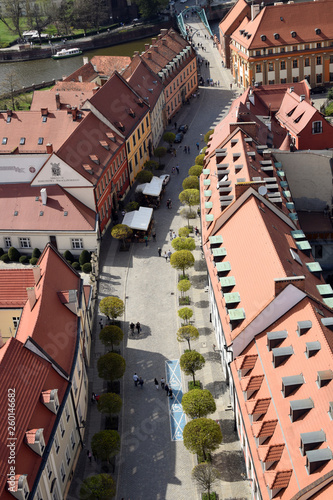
(258, 406)
(246, 362)
(279, 479)
(285, 145)
(29, 126)
(251, 383)
(67, 99)
(270, 453)
(21, 208)
(62, 86)
(294, 114)
(264, 428)
(121, 99)
(237, 11)
(106, 65)
(143, 80)
(13, 286)
(302, 18)
(85, 73)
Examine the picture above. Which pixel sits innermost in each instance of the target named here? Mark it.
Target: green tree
(151, 8)
(144, 176)
(112, 307)
(183, 286)
(187, 333)
(84, 257)
(111, 336)
(190, 197)
(198, 403)
(9, 85)
(185, 313)
(195, 170)
(111, 366)
(190, 362)
(181, 260)
(202, 436)
(121, 232)
(64, 16)
(98, 487)
(169, 137)
(13, 254)
(68, 256)
(183, 243)
(199, 160)
(160, 152)
(109, 403)
(191, 182)
(36, 253)
(184, 232)
(131, 206)
(13, 10)
(105, 444)
(205, 475)
(207, 135)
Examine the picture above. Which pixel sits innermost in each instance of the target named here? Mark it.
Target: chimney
(164, 42)
(80, 78)
(85, 60)
(155, 47)
(159, 36)
(153, 41)
(36, 272)
(282, 283)
(136, 53)
(43, 194)
(146, 46)
(57, 99)
(44, 111)
(255, 9)
(94, 90)
(251, 97)
(291, 90)
(164, 31)
(149, 55)
(172, 34)
(301, 98)
(9, 112)
(74, 113)
(49, 148)
(95, 68)
(31, 296)
(240, 188)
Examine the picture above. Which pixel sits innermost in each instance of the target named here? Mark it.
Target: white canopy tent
(138, 219)
(152, 188)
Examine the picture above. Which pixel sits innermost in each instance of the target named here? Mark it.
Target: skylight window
(9, 119)
(40, 141)
(295, 256)
(44, 119)
(22, 141)
(4, 140)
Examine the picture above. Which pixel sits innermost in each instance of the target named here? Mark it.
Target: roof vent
(312, 348)
(248, 36)
(291, 384)
(328, 322)
(317, 458)
(317, 31)
(311, 440)
(274, 339)
(131, 112)
(263, 37)
(94, 158)
(324, 377)
(303, 327)
(293, 34)
(281, 354)
(300, 407)
(276, 36)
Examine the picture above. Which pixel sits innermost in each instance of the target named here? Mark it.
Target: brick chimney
(282, 283)
(57, 99)
(153, 41)
(146, 46)
(43, 194)
(149, 55)
(249, 127)
(94, 90)
(164, 31)
(155, 47)
(74, 113)
(49, 148)
(31, 296)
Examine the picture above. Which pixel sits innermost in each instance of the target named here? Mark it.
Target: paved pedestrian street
(177, 416)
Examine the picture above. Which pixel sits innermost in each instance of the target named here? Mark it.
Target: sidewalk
(150, 465)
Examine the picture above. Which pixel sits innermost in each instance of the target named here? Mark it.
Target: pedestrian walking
(197, 145)
(170, 234)
(135, 378)
(141, 382)
(162, 382)
(156, 383)
(93, 398)
(230, 86)
(173, 170)
(146, 239)
(165, 256)
(132, 326)
(214, 347)
(154, 235)
(218, 83)
(101, 323)
(177, 168)
(174, 235)
(89, 455)
(196, 230)
(138, 327)
(159, 250)
(185, 149)
(175, 125)
(170, 393)
(169, 254)
(166, 388)
(168, 203)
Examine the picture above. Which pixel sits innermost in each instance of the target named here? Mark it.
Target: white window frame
(25, 242)
(62, 472)
(77, 243)
(8, 241)
(314, 126)
(72, 440)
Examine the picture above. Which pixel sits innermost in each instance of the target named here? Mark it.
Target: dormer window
(274, 339)
(312, 348)
(303, 327)
(300, 407)
(22, 141)
(4, 141)
(291, 384)
(50, 400)
(311, 440)
(281, 355)
(35, 440)
(317, 458)
(324, 377)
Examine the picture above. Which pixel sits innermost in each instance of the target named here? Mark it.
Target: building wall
(137, 147)
(9, 319)
(157, 121)
(180, 88)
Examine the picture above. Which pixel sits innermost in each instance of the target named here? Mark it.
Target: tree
(84, 257)
(160, 153)
(190, 197)
(98, 487)
(111, 336)
(183, 259)
(184, 232)
(198, 403)
(185, 313)
(202, 436)
(169, 137)
(195, 170)
(330, 94)
(111, 366)
(191, 182)
(9, 85)
(183, 286)
(13, 9)
(112, 307)
(183, 243)
(151, 8)
(144, 176)
(121, 232)
(205, 475)
(207, 135)
(199, 160)
(109, 403)
(187, 333)
(105, 444)
(131, 206)
(190, 362)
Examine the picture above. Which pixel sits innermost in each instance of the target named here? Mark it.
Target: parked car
(165, 178)
(318, 90)
(183, 128)
(179, 137)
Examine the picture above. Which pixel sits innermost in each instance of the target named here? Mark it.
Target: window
(4, 140)
(68, 456)
(40, 141)
(270, 51)
(72, 440)
(295, 79)
(271, 82)
(331, 77)
(318, 60)
(56, 444)
(128, 147)
(67, 414)
(257, 52)
(25, 242)
(319, 78)
(16, 320)
(77, 243)
(140, 151)
(318, 45)
(294, 47)
(307, 46)
(331, 59)
(48, 470)
(283, 80)
(142, 128)
(318, 251)
(258, 68)
(295, 63)
(136, 159)
(283, 65)
(282, 49)
(134, 140)
(62, 472)
(167, 93)
(147, 121)
(22, 141)
(270, 66)
(307, 61)
(62, 428)
(130, 167)
(8, 242)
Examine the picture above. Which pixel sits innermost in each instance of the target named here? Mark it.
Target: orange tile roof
(264, 428)
(67, 98)
(270, 453)
(13, 286)
(279, 479)
(62, 86)
(237, 11)
(258, 406)
(106, 65)
(252, 383)
(20, 199)
(143, 80)
(294, 114)
(246, 362)
(85, 73)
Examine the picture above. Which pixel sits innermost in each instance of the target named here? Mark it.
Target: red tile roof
(143, 80)
(21, 199)
(85, 73)
(238, 11)
(62, 86)
(270, 453)
(106, 65)
(294, 114)
(252, 383)
(246, 362)
(264, 428)
(279, 479)
(13, 286)
(67, 99)
(257, 406)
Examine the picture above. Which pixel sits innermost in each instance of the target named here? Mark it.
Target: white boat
(63, 53)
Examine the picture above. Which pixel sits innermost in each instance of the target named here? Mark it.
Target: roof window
(324, 377)
(293, 34)
(291, 384)
(274, 339)
(317, 31)
(4, 140)
(298, 118)
(303, 327)
(281, 355)
(291, 111)
(22, 141)
(311, 440)
(40, 141)
(300, 407)
(9, 119)
(330, 410)
(276, 36)
(263, 37)
(317, 458)
(312, 348)
(44, 119)
(295, 256)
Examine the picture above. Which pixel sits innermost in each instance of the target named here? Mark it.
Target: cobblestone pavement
(150, 465)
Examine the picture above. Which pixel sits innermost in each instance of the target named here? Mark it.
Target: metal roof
(319, 455)
(232, 298)
(216, 240)
(325, 374)
(327, 321)
(301, 404)
(304, 326)
(280, 334)
(223, 267)
(293, 380)
(282, 351)
(313, 267)
(298, 234)
(313, 437)
(219, 252)
(313, 346)
(228, 281)
(236, 314)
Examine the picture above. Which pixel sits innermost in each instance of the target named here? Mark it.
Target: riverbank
(20, 53)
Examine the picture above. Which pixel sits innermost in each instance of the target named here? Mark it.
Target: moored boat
(64, 53)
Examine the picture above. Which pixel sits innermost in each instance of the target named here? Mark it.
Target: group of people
(187, 150)
(136, 326)
(138, 380)
(164, 387)
(173, 170)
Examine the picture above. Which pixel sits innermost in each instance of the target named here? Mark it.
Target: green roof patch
(208, 204)
(314, 267)
(228, 282)
(206, 182)
(216, 240)
(236, 314)
(219, 252)
(207, 193)
(232, 298)
(303, 245)
(298, 234)
(223, 267)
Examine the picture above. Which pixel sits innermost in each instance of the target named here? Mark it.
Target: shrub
(23, 259)
(150, 165)
(84, 257)
(199, 160)
(76, 265)
(144, 176)
(207, 135)
(36, 253)
(195, 170)
(13, 254)
(132, 205)
(191, 182)
(184, 232)
(33, 261)
(4, 257)
(68, 256)
(86, 268)
(1, 251)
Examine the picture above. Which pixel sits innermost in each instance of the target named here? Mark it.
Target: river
(44, 70)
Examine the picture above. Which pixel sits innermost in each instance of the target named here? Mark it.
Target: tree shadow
(203, 304)
(230, 464)
(199, 281)
(144, 333)
(212, 357)
(217, 388)
(228, 430)
(200, 265)
(205, 331)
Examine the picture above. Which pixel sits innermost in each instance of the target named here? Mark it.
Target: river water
(44, 70)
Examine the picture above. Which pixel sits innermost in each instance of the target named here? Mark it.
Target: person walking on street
(169, 254)
(154, 235)
(89, 455)
(170, 393)
(135, 378)
(159, 250)
(165, 256)
(173, 170)
(141, 382)
(132, 326)
(177, 168)
(175, 125)
(170, 234)
(197, 145)
(162, 382)
(146, 239)
(93, 398)
(185, 149)
(156, 383)
(174, 235)
(166, 388)
(138, 327)
(168, 203)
